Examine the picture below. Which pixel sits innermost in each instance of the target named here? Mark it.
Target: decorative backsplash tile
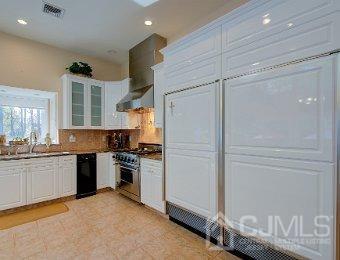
(88, 140)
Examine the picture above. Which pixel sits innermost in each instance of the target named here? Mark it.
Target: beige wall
(229, 6)
(29, 64)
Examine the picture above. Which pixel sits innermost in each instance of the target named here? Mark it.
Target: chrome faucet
(33, 141)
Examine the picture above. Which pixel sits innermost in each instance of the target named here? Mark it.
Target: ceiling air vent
(53, 10)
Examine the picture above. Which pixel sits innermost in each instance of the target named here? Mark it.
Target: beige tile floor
(105, 226)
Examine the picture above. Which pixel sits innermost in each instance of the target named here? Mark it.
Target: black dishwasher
(86, 175)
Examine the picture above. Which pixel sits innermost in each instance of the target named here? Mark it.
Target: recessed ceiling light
(23, 22)
(145, 3)
(266, 21)
(148, 23)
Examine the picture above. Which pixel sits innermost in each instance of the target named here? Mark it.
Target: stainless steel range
(128, 169)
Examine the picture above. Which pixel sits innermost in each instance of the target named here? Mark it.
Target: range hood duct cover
(141, 58)
(138, 99)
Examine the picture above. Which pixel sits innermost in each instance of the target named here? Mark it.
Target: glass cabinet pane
(78, 104)
(96, 106)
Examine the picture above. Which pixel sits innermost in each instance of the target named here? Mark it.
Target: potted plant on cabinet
(80, 68)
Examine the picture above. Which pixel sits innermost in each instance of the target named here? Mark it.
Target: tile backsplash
(84, 140)
(89, 140)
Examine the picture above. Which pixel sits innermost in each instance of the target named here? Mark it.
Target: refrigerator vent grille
(200, 224)
(252, 248)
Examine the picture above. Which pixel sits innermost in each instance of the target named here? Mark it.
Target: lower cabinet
(106, 171)
(67, 175)
(30, 181)
(112, 171)
(152, 184)
(12, 185)
(102, 170)
(285, 202)
(42, 180)
(191, 180)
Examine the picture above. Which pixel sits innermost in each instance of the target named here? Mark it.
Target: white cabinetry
(67, 175)
(158, 94)
(283, 120)
(286, 112)
(113, 94)
(288, 190)
(192, 180)
(191, 150)
(83, 103)
(112, 171)
(152, 184)
(29, 181)
(103, 170)
(194, 61)
(279, 32)
(191, 119)
(12, 185)
(42, 180)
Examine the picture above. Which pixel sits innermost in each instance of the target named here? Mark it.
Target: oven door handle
(130, 169)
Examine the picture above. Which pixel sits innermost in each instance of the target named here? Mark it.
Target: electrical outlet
(72, 138)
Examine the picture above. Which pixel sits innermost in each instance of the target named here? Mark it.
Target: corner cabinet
(83, 103)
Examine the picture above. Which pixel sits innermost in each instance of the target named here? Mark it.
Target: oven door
(129, 180)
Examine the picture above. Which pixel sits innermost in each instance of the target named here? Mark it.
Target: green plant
(80, 68)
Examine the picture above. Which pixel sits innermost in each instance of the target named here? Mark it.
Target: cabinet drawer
(151, 163)
(43, 161)
(294, 30)
(204, 46)
(9, 165)
(199, 73)
(267, 188)
(71, 159)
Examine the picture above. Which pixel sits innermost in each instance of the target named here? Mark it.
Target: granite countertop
(44, 155)
(154, 156)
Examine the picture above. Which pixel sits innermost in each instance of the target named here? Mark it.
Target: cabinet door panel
(97, 106)
(197, 74)
(12, 187)
(157, 177)
(67, 176)
(191, 181)
(42, 183)
(113, 94)
(78, 93)
(286, 113)
(146, 185)
(102, 170)
(287, 190)
(200, 48)
(191, 118)
(279, 32)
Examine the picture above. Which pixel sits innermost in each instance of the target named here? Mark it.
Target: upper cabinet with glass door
(83, 103)
(97, 99)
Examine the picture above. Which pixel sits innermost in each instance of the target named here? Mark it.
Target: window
(23, 111)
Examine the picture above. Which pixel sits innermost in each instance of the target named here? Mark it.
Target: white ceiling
(92, 27)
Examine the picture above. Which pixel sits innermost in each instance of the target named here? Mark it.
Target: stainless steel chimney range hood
(141, 58)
